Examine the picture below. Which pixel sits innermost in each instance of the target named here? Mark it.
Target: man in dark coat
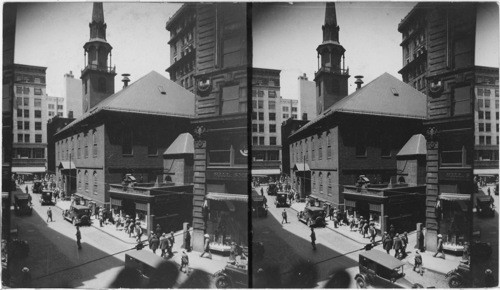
(392, 231)
(154, 243)
(206, 247)
(171, 240)
(78, 237)
(418, 263)
(158, 230)
(372, 232)
(184, 262)
(187, 240)
(313, 238)
(365, 228)
(284, 217)
(404, 238)
(398, 246)
(361, 225)
(49, 214)
(387, 243)
(439, 247)
(163, 244)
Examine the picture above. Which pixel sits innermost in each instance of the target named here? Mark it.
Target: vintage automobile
(259, 207)
(485, 206)
(380, 270)
(37, 186)
(459, 277)
(77, 214)
(272, 188)
(232, 276)
(47, 197)
(146, 263)
(312, 216)
(22, 203)
(281, 199)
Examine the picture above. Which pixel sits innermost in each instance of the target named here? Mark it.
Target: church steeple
(331, 77)
(98, 76)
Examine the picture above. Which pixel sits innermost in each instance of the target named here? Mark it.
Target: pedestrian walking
(101, 219)
(78, 237)
(365, 228)
(27, 189)
(404, 239)
(261, 191)
(392, 231)
(313, 238)
(163, 244)
(154, 242)
(206, 247)
(398, 246)
(418, 263)
(138, 231)
(187, 240)
(25, 278)
(331, 213)
(172, 238)
(131, 227)
(158, 230)
(184, 262)
(489, 191)
(373, 233)
(49, 214)
(439, 247)
(284, 217)
(387, 242)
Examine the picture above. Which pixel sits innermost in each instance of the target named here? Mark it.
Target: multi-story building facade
(307, 98)
(486, 123)
(220, 202)
(289, 109)
(55, 107)
(182, 27)
(54, 125)
(438, 59)
(267, 106)
(72, 95)
(30, 119)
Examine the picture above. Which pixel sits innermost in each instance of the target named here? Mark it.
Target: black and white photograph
(250, 144)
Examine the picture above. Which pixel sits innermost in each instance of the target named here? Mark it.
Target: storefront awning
(28, 169)
(219, 196)
(301, 167)
(266, 172)
(67, 165)
(486, 171)
(454, 196)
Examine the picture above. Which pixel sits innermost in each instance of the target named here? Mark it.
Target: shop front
(370, 208)
(226, 216)
(452, 210)
(301, 178)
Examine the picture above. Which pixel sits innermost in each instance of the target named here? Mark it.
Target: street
(287, 245)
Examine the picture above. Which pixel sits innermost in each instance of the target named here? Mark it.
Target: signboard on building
(455, 175)
(241, 174)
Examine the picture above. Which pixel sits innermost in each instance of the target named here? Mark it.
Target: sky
(285, 37)
(53, 35)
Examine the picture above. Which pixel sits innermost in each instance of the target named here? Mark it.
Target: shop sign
(227, 174)
(455, 175)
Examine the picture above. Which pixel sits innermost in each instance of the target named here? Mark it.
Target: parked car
(312, 216)
(146, 263)
(232, 276)
(37, 186)
(460, 277)
(77, 214)
(259, 208)
(282, 199)
(47, 197)
(485, 206)
(272, 188)
(22, 203)
(380, 270)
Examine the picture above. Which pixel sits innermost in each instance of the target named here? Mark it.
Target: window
(320, 179)
(26, 101)
(38, 153)
(487, 115)
(328, 146)
(20, 138)
(496, 104)
(26, 90)
(285, 116)
(26, 125)
(261, 141)
(488, 127)
(38, 125)
(461, 101)
(453, 152)
(261, 128)
(19, 112)
(79, 146)
(59, 107)
(261, 116)
(38, 113)
(79, 177)
(86, 180)
(95, 182)
(480, 115)
(255, 140)
(19, 90)
(26, 138)
(285, 109)
(233, 39)
(488, 140)
(496, 93)
(313, 149)
(497, 127)
(51, 114)
(230, 99)
(481, 127)
(272, 140)
(94, 142)
(59, 114)
(85, 140)
(480, 103)
(261, 94)
(272, 94)
(152, 144)
(38, 138)
(254, 115)
(272, 105)
(127, 141)
(320, 149)
(487, 92)
(480, 92)
(294, 116)
(294, 109)
(272, 116)
(38, 91)
(481, 140)
(487, 103)
(19, 125)
(496, 115)
(38, 103)
(272, 128)
(254, 128)
(260, 104)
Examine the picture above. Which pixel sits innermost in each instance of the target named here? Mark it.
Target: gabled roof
(384, 96)
(183, 144)
(153, 94)
(415, 146)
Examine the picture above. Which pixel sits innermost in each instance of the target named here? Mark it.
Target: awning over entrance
(28, 169)
(486, 171)
(67, 165)
(266, 172)
(219, 196)
(301, 167)
(454, 196)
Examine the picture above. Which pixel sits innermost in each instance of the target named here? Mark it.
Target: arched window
(79, 177)
(329, 184)
(86, 180)
(95, 181)
(94, 142)
(320, 180)
(101, 84)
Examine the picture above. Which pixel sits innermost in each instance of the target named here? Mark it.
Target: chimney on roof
(125, 80)
(358, 82)
(70, 114)
(304, 116)
(303, 77)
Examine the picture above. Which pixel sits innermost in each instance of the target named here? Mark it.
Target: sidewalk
(195, 261)
(430, 263)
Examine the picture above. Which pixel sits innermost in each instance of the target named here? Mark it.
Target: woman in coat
(154, 242)
(388, 243)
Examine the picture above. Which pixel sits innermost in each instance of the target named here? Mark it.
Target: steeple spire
(330, 29)
(98, 13)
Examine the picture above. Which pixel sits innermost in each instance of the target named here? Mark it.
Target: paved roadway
(287, 245)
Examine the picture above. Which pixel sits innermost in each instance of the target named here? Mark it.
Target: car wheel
(455, 281)
(222, 282)
(360, 283)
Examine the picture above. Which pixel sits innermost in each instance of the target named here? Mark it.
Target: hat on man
(206, 236)
(440, 236)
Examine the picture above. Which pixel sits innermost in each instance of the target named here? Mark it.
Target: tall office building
(72, 95)
(289, 109)
(55, 107)
(307, 98)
